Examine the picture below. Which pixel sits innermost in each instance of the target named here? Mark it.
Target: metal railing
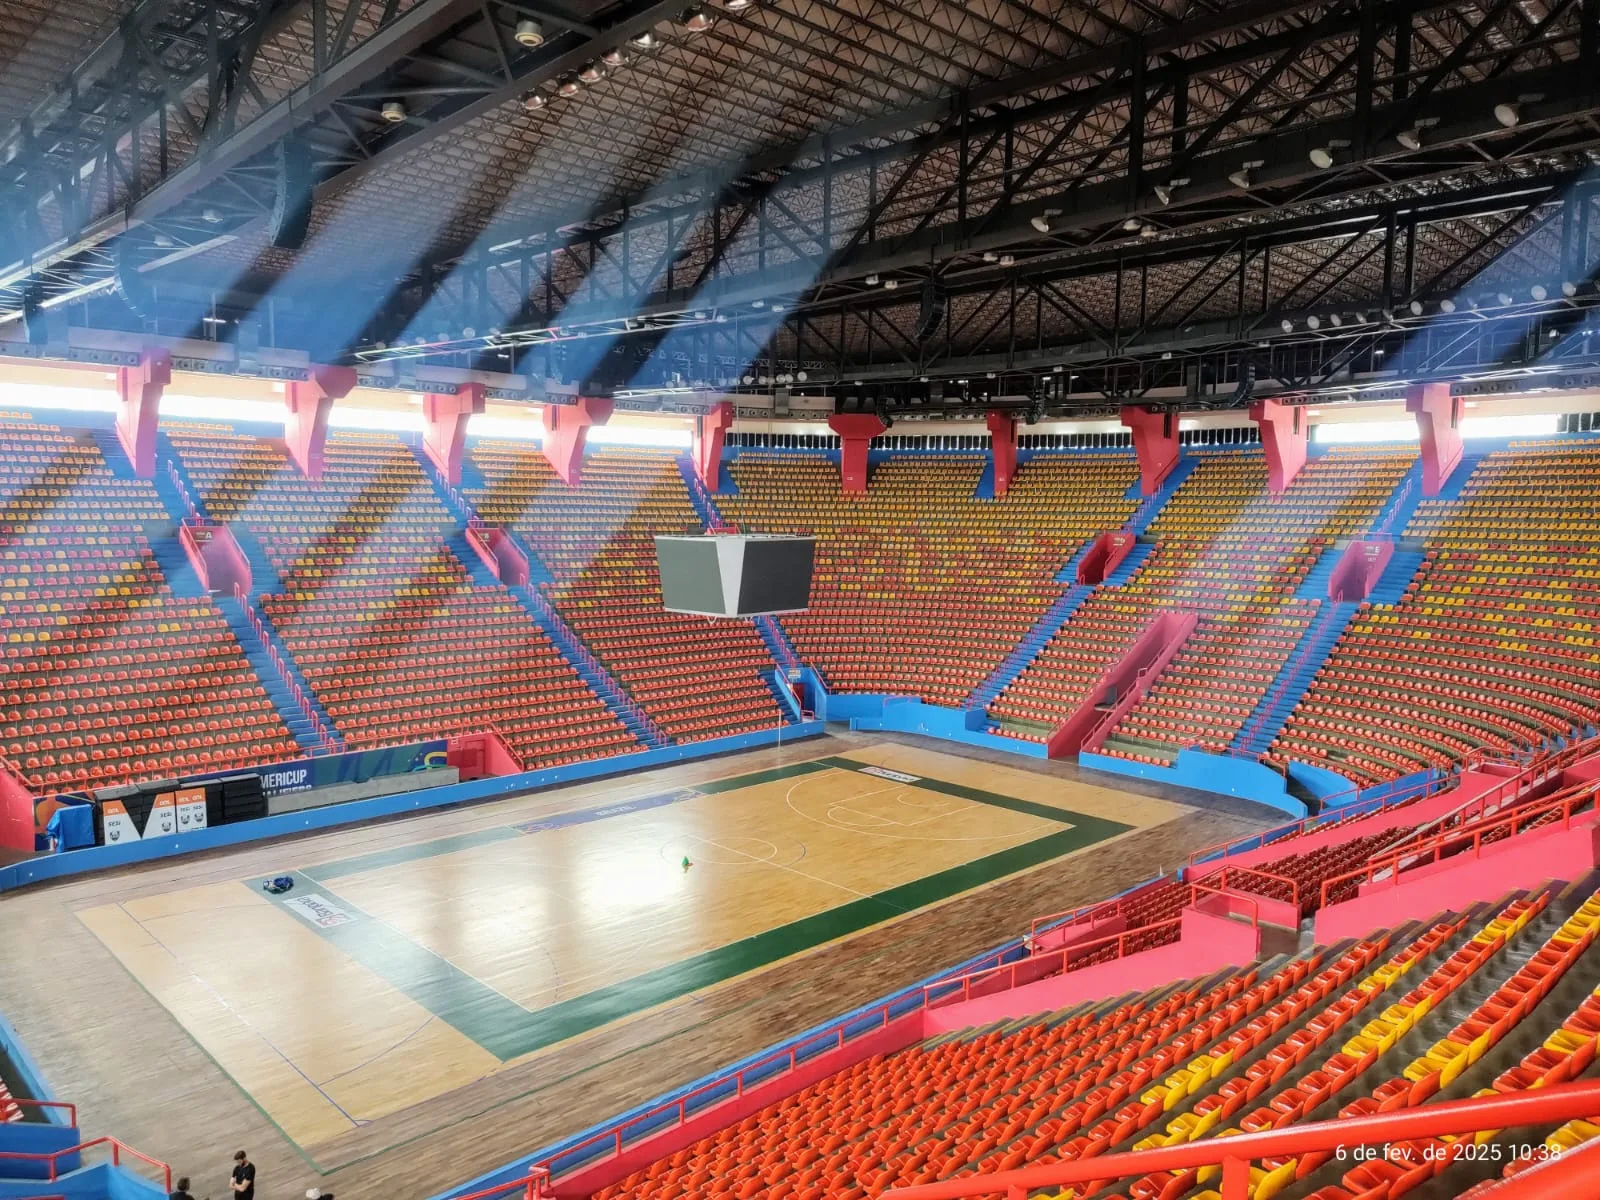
(327, 742)
(532, 1186)
(118, 1150)
(48, 1105)
(1326, 1139)
(1468, 840)
(182, 489)
(619, 697)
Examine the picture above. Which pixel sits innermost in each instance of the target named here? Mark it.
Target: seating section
(395, 639)
(1403, 1017)
(920, 588)
(107, 677)
(695, 677)
(1228, 548)
(1492, 649)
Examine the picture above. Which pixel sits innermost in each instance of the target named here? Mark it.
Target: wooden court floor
(426, 971)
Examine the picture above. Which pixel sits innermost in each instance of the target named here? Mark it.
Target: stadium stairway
(1397, 576)
(117, 460)
(589, 668)
(1397, 510)
(1293, 678)
(777, 642)
(1045, 628)
(703, 503)
(174, 562)
(259, 656)
(454, 500)
(1148, 510)
(786, 701)
(1315, 585)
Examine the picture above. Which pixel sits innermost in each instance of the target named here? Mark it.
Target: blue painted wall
(1209, 773)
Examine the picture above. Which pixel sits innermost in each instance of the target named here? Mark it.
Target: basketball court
(388, 978)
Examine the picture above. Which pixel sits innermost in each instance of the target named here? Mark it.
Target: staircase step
(259, 655)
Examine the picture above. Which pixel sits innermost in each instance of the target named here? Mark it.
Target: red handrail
(1220, 879)
(1075, 916)
(72, 1109)
(118, 1149)
(1392, 860)
(1075, 950)
(1330, 817)
(680, 1106)
(1539, 1106)
(533, 1185)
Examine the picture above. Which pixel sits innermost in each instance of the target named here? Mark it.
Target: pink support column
(1155, 441)
(566, 429)
(1003, 444)
(309, 401)
(1283, 436)
(444, 436)
(140, 390)
(709, 430)
(856, 431)
(1438, 416)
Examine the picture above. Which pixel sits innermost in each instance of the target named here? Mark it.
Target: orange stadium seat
(395, 639)
(105, 676)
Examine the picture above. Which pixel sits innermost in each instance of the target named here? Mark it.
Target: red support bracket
(1283, 436)
(709, 431)
(1003, 445)
(139, 388)
(1155, 441)
(566, 429)
(856, 431)
(444, 436)
(309, 401)
(1438, 416)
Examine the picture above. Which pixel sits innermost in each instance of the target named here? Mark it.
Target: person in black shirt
(244, 1177)
(183, 1190)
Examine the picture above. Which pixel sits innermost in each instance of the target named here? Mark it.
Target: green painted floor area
(507, 1030)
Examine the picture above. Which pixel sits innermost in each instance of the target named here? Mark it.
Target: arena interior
(1115, 710)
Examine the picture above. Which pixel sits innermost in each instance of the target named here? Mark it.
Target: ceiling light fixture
(1132, 225)
(394, 112)
(1504, 298)
(695, 20)
(1165, 191)
(1568, 288)
(529, 33)
(614, 57)
(1008, 260)
(1313, 322)
(645, 40)
(1447, 306)
(569, 86)
(1042, 221)
(1417, 308)
(990, 256)
(1324, 157)
(871, 281)
(1286, 325)
(889, 285)
(591, 72)
(1539, 292)
(1335, 320)
(1509, 115)
(534, 101)
(1245, 177)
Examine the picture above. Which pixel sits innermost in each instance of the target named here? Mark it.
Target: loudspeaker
(934, 303)
(291, 202)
